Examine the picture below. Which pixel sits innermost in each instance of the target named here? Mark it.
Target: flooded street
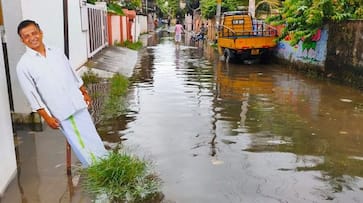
(216, 133)
(243, 133)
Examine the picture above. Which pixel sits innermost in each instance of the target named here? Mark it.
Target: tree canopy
(115, 6)
(302, 18)
(168, 7)
(208, 8)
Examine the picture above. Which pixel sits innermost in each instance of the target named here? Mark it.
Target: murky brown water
(243, 133)
(218, 133)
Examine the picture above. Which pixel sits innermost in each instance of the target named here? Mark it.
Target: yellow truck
(242, 37)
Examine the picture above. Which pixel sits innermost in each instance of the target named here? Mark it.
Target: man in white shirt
(56, 92)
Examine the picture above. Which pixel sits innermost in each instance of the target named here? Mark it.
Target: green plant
(267, 6)
(131, 45)
(168, 8)
(115, 103)
(91, 1)
(209, 8)
(302, 18)
(90, 77)
(123, 178)
(115, 8)
(132, 4)
(119, 84)
(214, 45)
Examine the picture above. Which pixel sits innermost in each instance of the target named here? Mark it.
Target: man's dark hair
(26, 23)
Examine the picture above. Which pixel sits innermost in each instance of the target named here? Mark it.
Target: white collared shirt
(50, 82)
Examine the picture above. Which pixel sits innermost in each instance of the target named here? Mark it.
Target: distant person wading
(178, 31)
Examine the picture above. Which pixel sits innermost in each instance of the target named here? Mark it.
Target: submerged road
(216, 133)
(243, 133)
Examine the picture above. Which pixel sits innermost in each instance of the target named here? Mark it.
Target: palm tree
(253, 6)
(272, 4)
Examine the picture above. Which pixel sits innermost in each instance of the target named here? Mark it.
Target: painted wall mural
(313, 52)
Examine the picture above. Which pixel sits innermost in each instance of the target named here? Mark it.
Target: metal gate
(97, 28)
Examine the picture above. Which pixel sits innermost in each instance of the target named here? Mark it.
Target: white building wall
(135, 30)
(143, 24)
(188, 22)
(77, 36)
(150, 22)
(49, 15)
(124, 28)
(12, 14)
(139, 26)
(7, 150)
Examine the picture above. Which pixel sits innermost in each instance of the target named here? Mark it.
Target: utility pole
(252, 7)
(218, 14)
(66, 52)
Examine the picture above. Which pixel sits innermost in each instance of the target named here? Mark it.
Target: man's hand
(87, 99)
(50, 120)
(86, 96)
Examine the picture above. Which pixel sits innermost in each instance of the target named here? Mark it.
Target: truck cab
(242, 37)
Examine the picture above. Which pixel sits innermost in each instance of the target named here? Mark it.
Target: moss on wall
(344, 59)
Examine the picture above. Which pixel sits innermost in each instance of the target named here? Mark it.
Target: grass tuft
(90, 77)
(115, 103)
(131, 45)
(123, 178)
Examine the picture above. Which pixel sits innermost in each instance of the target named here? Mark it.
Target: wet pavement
(42, 175)
(218, 133)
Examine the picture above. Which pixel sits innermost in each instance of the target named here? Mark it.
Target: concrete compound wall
(117, 28)
(142, 22)
(336, 52)
(114, 29)
(344, 59)
(313, 53)
(138, 27)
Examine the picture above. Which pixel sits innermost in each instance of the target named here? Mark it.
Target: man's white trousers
(83, 137)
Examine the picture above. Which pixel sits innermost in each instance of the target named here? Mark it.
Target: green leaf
(303, 17)
(115, 8)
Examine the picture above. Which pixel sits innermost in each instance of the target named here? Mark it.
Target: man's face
(32, 37)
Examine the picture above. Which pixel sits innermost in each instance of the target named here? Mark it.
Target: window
(238, 22)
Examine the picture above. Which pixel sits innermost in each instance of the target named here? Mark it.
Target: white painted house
(49, 15)
(7, 150)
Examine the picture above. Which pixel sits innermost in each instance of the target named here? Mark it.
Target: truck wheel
(265, 57)
(227, 55)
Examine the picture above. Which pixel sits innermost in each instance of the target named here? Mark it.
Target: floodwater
(217, 133)
(220, 133)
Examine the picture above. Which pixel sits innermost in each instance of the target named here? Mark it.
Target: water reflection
(41, 175)
(244, 133)
(288, 114)
(28, 167)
